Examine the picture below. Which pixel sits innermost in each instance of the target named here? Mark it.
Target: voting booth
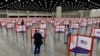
(10, 25)
(43, 25)
(80, 44)
(60, 28)
(3, 23)
(28, 23)
(20, 28)
(95, 33)
(75, 25)
(42, 32)
(83, 24)
(90, 22)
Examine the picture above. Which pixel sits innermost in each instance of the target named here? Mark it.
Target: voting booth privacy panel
(81, 44)
(42, 31)
(20, 28)
(95, 32)
(9, 25)
(59, 28)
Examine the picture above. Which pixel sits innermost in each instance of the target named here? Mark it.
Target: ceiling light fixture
(32, 0)
(88, 0)
(19, 0)
(6, 0)
(75, 0)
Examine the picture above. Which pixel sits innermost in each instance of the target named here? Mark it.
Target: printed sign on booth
(76, 26)
(21, 28)
(42, 25)
(10, 25)
(84, 42)
(62, 28)
(96, 33)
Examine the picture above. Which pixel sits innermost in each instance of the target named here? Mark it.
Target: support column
(7, 13)
(18, 13)
(27, 13)
(58, 12)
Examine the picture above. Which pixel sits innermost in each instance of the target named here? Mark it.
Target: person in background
(22, 22)
(98, 40)
(37, 42)
(69, 30)
(99, 24)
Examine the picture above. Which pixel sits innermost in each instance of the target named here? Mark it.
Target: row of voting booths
(78, 43)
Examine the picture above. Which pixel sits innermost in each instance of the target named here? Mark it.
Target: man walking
(69, 30)
(37, 42)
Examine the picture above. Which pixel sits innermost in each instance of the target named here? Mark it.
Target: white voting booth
(42, 31)
(60, 28)
(21, 28)
(81, 44)
(9, 25)
(29, 23)
(3, 23)
(43, 25)
(75, 25)
(90, 22)
(83, 24)
(95, 33)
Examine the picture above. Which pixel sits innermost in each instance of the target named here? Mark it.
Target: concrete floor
(10, 45)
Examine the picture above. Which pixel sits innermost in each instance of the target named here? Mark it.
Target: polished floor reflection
(20, 45)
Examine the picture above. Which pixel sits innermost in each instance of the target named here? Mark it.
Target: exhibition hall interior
(49, 27)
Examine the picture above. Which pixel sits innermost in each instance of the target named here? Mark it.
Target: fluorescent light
(19, 0)
(88, 0)
(32, 0)
(6, 0)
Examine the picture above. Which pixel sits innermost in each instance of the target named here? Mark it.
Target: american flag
(98, 32)
(84, 42)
